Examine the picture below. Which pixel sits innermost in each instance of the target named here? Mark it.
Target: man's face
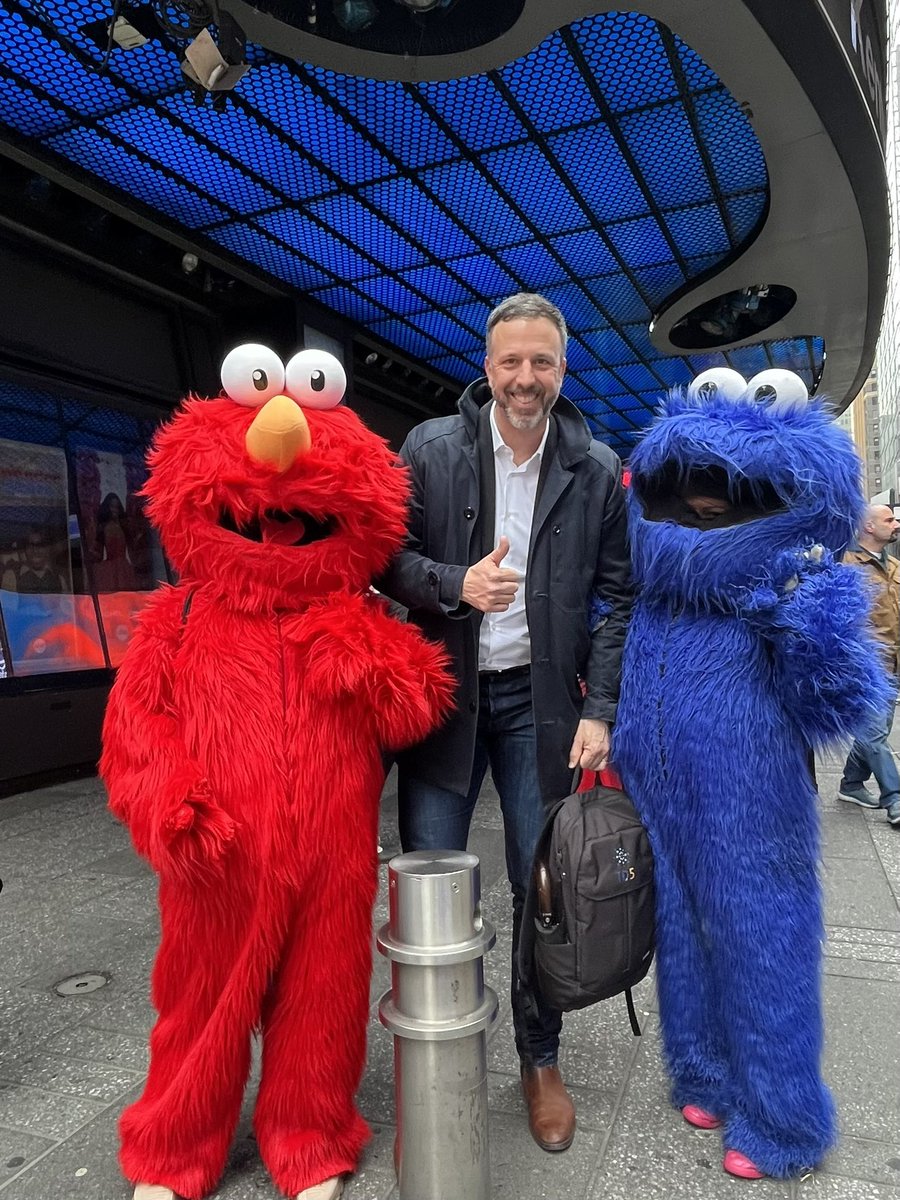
(708, 508)
(883, 525)
(525, 369)
(37, 553)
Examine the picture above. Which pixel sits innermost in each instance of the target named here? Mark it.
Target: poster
(34, 520)
(120, 548)
(51, 633)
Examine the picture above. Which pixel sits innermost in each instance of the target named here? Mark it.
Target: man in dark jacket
(517, 560)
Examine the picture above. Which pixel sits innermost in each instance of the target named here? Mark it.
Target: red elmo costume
(242, 748)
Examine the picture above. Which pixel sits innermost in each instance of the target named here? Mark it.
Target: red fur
(242, 749)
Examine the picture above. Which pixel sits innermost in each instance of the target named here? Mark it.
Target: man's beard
(522, 422)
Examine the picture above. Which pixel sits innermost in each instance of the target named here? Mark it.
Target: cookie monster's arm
(154, 786)
(412, 578)
(827, 668)
(613, 596)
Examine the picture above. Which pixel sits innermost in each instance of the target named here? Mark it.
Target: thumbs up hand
(488, 586)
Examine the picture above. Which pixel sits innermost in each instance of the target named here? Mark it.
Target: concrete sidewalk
(76, 899)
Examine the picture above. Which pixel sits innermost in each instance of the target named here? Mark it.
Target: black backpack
(588, 924)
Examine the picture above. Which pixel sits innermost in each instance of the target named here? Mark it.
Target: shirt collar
(879, 558)
(499, 443)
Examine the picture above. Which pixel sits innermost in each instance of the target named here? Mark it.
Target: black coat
(578, 556)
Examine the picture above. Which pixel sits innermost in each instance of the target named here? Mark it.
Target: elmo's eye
(252, 374)
(315, 379)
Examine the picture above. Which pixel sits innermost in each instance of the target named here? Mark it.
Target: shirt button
(557, 529)
(469, 513)
(473, 707)
(432, 578)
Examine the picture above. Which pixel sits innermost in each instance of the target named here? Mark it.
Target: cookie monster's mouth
(705, 497)
(294, 528)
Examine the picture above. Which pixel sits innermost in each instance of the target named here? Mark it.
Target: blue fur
(743, 651)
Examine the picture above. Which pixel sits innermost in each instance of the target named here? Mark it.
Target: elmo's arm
(154, 786)
(826, 667)
(411, 690)
(391, 671)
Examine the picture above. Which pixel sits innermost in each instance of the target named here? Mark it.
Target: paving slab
(862, 1055)
(864, 1159)
(19, 1150)
(858, 895)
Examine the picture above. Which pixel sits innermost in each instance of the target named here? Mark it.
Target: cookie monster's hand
(193, 837)
(826, 667)
(764, 605)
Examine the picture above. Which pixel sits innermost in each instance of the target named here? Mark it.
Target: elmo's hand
(193, 837)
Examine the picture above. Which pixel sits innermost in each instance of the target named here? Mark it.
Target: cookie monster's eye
(315, 379)
(782, 390)
(721, 382)
(252, 374)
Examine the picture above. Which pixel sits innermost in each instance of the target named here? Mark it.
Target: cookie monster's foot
(699, 1117)
(739, 1165)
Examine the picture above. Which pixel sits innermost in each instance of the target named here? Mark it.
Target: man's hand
(590, 749)
(488, 586)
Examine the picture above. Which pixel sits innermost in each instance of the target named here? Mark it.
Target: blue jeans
(875, 757)
(432, 818)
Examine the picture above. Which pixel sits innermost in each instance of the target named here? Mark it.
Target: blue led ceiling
(604, 169)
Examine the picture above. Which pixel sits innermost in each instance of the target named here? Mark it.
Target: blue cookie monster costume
(748, 646)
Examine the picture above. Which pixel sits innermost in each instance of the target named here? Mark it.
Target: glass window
(78, 557)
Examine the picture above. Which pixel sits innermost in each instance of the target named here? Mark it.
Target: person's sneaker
(857, 795)
(699, 1117)
(740, 1165)
(893, 814)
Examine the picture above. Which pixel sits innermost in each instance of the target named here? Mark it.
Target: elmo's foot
(329, 1190)
(153, 1191)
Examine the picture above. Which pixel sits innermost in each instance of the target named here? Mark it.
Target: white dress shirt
(505, 641)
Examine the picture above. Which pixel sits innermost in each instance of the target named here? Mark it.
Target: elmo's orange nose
(279, 433)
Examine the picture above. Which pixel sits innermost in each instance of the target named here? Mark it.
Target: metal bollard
(438, 1010)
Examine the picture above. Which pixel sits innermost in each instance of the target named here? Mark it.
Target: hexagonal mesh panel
(605, 168)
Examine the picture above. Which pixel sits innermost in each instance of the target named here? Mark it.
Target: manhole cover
(79, 985)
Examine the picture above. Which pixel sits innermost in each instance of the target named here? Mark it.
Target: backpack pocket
(554, 967)
(615, 901)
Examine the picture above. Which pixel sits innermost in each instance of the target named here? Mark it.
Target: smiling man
(517, 536)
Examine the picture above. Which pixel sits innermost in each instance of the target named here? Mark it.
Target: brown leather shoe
(551, 1112)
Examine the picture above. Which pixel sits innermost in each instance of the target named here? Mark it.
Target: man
(875, 757)
(36, 574)
(517, 560)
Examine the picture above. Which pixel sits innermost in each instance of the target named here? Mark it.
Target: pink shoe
(738, 1164)
(699, 1117)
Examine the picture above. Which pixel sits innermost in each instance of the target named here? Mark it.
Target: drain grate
(80, 985)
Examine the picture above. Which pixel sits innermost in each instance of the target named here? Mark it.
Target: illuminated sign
(860, 26)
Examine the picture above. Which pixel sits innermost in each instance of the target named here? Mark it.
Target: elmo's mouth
(294, 528)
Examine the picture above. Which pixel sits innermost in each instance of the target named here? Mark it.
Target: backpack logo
(625, 873)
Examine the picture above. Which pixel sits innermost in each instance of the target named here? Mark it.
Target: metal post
(438, 1010)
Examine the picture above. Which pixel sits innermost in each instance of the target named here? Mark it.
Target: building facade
(888, 354)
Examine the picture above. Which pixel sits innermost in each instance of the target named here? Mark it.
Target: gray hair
(527, 306)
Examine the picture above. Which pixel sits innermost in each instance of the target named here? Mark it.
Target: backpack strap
(186, 607)
(632, 1015)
